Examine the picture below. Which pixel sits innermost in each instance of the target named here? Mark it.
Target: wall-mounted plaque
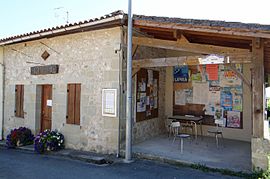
(44, 70)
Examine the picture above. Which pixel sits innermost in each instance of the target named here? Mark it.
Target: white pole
(129, 87)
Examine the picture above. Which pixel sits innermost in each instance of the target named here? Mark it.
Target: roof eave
(61, 31)
(207, 29)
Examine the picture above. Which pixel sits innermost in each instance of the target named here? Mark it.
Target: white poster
(109, 102)
(214, 98)
(180, 97)
(200, 93)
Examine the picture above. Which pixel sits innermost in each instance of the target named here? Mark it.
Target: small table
(194, 119)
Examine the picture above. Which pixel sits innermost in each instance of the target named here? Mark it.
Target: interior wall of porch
(230, 133)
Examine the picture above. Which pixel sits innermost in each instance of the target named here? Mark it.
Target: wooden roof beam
(176, 61)
(184, 45)
(206, 29)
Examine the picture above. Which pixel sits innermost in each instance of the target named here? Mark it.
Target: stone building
(54, 78)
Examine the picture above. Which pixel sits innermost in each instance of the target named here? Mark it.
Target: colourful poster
(212, 71)
(229, 77)
(180, 74)
(237, 98)
(226, 99)
(233, 119)
(196, 77)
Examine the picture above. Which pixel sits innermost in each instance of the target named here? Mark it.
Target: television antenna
(61, 12)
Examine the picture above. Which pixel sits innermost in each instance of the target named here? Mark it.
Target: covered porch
(160, 45)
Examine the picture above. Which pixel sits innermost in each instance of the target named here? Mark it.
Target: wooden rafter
(175, 61)
(183, 45)
(196, 28)
(241, 76)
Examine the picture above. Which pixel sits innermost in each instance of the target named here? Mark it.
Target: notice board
(147, 94)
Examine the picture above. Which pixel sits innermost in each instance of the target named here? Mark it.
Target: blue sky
(22, 16)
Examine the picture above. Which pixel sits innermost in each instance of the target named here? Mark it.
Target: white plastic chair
(218, 130)
(168, 123)
(175, 126)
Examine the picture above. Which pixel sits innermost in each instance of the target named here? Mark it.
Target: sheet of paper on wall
(143, 98)
(229, 78)
(214, 98)
(152, 102)
(196, 77)
(155, 102)
(180, 97)
(142, 85)
(237, 103)
(150, 77)
(189, 95)
(49, 102)
(155, 89)
(212, 71)
(200, 93)
(148, 113)
(210, 110)
(233, 119)
(226, 100)
(141, 107)
(147, 100)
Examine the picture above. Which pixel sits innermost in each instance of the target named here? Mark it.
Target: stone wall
(146, 129)
(89, 58)
(260, 153)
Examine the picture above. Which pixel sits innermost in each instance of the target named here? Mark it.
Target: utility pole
(129, 88)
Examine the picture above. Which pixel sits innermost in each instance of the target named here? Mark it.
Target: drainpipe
(129, 88)
(2, 93)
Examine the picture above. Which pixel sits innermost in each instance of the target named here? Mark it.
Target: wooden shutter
(73, 103)
(77, 104)
(19, 100)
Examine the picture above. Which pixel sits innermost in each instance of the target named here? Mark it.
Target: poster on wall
(109, 103)
(226, 99)
(180, 74)
(200, 93)
(189, 95)
(237, 99)
(180, 97)
(212, 71)
(142, 85)
(141, 105)
(229, 77)
(150, 78)
(233, 119)
(218, 113)
(197, 77)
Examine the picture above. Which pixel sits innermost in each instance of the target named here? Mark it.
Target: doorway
(46, 107)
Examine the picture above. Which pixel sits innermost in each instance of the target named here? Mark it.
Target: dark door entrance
(46, 107)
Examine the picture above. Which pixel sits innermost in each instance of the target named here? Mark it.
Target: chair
(218, 130)
(175, 126)
(168, 123)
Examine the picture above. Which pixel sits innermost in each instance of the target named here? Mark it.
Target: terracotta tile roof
(35, 34)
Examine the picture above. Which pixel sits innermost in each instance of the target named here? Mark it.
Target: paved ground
(24, 164)
(231, 154)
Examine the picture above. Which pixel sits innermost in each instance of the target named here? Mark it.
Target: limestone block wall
(88, 58)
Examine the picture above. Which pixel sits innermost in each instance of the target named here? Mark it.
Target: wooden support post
(257, 88)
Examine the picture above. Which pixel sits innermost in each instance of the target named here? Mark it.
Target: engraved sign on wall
(44, 70)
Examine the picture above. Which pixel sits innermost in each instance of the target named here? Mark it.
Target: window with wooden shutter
(73, 103)
(19, 98)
